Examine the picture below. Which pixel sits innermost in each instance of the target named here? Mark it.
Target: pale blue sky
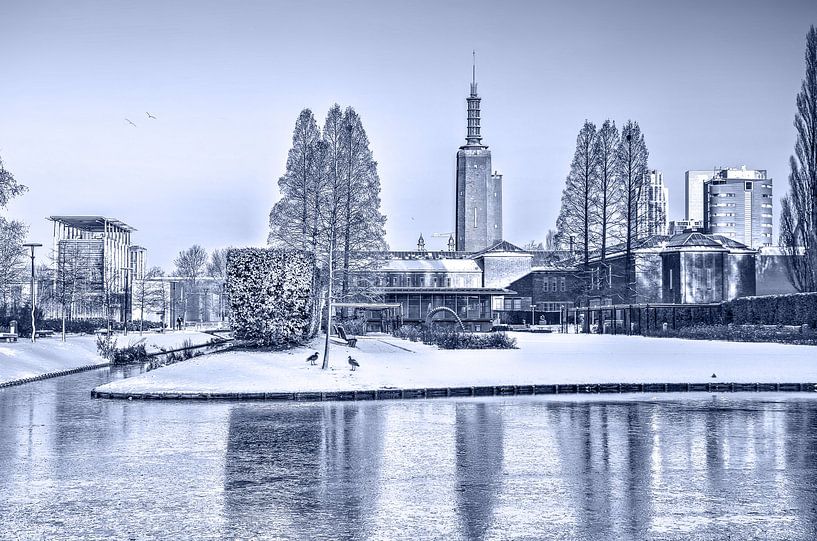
(711, 83)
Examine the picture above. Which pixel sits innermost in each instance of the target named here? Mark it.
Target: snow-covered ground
(22, 359)
(541, 359)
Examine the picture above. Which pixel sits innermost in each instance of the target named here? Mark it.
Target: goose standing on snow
(353, 363)
(312, 358)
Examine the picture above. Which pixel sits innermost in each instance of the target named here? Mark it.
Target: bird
(713, 375)
(312, 358)
(150, 115)
(129, 122)
(353, 363)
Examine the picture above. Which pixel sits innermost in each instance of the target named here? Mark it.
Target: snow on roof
(428, 265)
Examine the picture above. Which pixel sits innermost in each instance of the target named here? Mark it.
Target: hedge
(270, 292)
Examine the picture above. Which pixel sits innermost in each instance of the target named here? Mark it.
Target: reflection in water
(305, 468)
(478, 465)
(677, 467)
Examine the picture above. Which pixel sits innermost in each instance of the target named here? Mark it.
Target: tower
(479, 193)
(421, 244)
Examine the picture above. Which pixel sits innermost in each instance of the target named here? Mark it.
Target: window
(448, 282)
(422, 281)
(517, 304)
(562, 280)
(545, 283)
(670, 279)
(748, 185)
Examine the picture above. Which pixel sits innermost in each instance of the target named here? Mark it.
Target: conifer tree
(577, 221)
(798, 213)
(632, 156)
(609, 186)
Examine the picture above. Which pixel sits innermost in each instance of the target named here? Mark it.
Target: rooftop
(91, 223)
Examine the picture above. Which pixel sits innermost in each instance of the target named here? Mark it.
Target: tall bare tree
(798, 213)
(292, 219)
(12, 235)
(363, 224)
(577, 221)
(609, 186)
(631, 158)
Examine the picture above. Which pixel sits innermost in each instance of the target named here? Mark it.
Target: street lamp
(126, 270)
(32, 245)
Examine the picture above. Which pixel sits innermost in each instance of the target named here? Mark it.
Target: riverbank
(390, 364)
(23, 361)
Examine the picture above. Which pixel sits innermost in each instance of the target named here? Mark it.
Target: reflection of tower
(480, 452)
(479, 193)
(421, 244)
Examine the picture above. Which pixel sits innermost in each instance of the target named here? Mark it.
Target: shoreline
(466, 392)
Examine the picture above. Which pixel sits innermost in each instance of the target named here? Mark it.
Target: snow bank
(542, 359)
(22, 359)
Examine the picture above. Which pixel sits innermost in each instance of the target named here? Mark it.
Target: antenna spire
(474, 67)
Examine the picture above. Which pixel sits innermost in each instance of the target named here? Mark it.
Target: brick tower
(479, 193)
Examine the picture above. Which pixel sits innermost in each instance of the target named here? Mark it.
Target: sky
(712, 83)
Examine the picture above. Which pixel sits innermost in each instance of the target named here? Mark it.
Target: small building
(698, 268)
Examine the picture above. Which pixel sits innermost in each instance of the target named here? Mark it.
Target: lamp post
(32, 245)
(126, 270)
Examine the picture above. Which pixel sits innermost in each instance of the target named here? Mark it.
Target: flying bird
(714, 376)
(129, 122)
(312, 358)
(353, 363)
(150, 115)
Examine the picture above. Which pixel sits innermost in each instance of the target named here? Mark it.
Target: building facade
(738, 205)
(694, 194)
(92, 256)
(654, 205)
(676, 227)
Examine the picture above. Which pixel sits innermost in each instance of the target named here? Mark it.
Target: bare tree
(577, 219)
(609, 186)
(72, 280)
(148, 294)
(798, 213)
(190, 266)
(550, 240)
(631, 157)
(217, 269)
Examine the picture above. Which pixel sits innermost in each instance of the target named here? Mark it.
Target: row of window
(553, 284)
(419, 280)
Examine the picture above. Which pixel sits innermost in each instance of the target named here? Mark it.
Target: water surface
(690, 466)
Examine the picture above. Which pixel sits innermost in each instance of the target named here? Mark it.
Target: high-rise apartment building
(694, 193)
(738, 205)
(654, 205)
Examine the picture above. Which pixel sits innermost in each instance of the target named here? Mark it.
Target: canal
(691, 466)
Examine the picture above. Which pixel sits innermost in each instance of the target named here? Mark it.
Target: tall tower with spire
(479, 193)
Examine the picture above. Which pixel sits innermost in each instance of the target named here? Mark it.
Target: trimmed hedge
(742, 333)
(270, 292)
(794, 309)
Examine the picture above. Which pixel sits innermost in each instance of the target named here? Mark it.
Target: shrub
(106, 346)
(454, 339)
(355, 326)
(130, 355)
(270, 295)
